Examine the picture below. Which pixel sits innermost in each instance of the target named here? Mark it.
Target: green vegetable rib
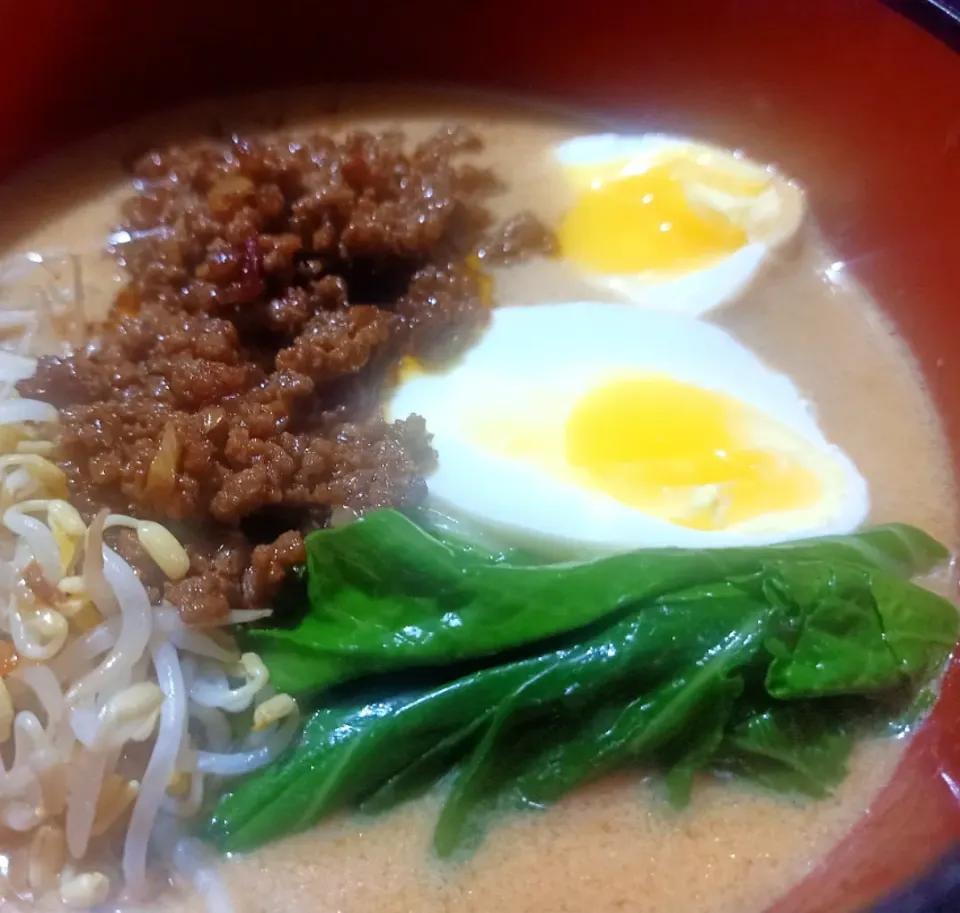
(754, 661)
(386, 595)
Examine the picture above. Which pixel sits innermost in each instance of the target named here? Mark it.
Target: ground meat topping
(520, 237)
(335, 343)
(272, 285)
(269, 565)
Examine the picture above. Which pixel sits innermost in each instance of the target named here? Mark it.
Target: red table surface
(854, 101)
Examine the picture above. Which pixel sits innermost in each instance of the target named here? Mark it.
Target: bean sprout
(173, 727)
(242, 762)
(113, 711)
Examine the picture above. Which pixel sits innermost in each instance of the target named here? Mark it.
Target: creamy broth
(616, 845)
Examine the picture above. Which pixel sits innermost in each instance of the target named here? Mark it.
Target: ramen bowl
(853, 101)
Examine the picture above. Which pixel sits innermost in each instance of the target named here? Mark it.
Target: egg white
(770, 219)
(546, 357)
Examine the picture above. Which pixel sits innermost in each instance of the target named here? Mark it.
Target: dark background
(939, 892)
(942, 17)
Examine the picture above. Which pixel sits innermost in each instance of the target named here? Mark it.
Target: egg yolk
(682, 453)
(640, 222)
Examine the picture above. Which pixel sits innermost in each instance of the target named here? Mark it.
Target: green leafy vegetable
(386, 595)
(800, 749)
(742, 660)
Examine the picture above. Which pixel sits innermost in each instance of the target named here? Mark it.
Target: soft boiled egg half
(668, 223)
(586, 428)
